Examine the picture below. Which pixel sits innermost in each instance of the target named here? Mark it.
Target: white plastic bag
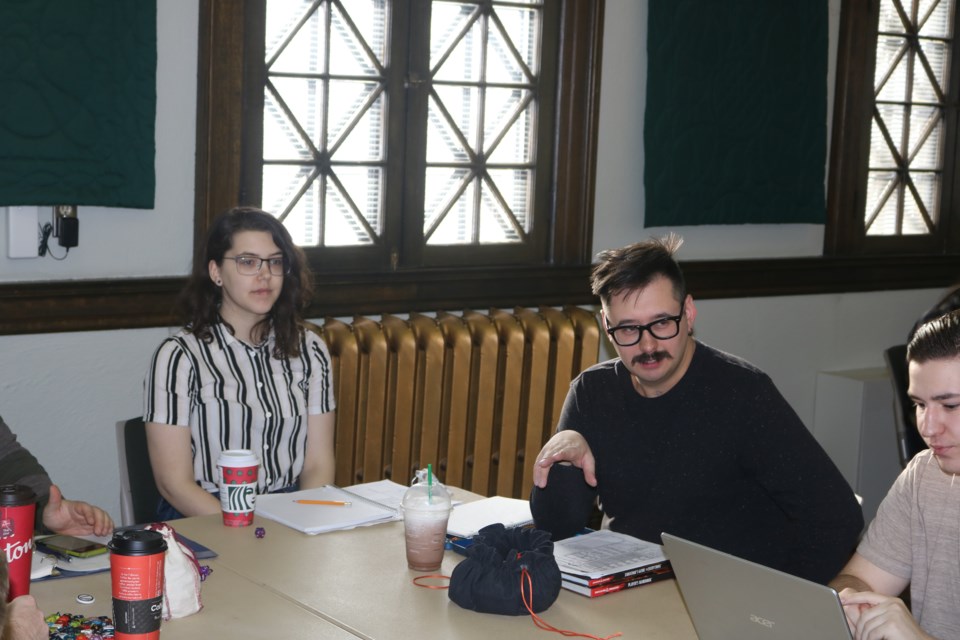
(181, 575)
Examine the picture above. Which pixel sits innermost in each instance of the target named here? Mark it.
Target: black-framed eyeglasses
(627, 335)
(251, 265)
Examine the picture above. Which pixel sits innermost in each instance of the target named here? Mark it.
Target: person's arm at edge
(172, 461)
(24, 620)
(319, 461)
(860, 574)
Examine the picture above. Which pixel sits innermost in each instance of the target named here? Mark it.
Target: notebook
(728, 597)
(314, 518)
(468, 518)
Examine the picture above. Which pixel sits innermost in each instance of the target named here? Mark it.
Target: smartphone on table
(70, 546)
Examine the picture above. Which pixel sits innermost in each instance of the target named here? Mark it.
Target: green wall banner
(735, 124)
(78, 106)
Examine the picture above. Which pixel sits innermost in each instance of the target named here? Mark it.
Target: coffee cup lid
(237, 458)
(137, 542)
(15, 495)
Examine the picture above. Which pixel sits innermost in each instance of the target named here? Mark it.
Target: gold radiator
(475, 394)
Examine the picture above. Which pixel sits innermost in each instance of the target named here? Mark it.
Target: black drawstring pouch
(489, 580)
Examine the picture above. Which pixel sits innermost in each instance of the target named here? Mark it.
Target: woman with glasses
(243, 373)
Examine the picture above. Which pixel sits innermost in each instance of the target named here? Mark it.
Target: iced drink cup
(238, 486)
(425, 514)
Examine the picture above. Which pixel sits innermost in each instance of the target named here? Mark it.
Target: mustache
(646, 358)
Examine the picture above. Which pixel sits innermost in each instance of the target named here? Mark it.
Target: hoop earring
(219, 283)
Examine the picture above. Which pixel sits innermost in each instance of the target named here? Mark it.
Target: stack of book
(601, 562)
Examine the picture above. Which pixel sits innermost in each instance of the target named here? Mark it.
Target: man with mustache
(914, 540)
(676, 436)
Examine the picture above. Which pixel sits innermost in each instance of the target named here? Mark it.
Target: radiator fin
(475, 394)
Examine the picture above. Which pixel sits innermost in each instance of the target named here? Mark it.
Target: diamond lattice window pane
(926, 128)
(518, 145)
(523, 32)
(890, 21)
(356, 127)
(927, 186)
(881, 192)
(304, 98)
(447, 22)
(881, 156)
(501, 107)
(892, 54)
(281, 185)
(926, 89)
(361, 190)
(304, 51)
(463, 106)
(515, 187)
(443, 199)
(357, 40)
(345, 225)
(496, 223)
(281, 139)
(939, 23)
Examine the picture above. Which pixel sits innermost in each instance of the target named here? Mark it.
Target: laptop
(729, 597)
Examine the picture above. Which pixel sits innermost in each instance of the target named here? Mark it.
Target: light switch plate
(22, 234)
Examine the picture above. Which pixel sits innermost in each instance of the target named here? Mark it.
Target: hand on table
(75, 518)
(873, 616)
(565, 446)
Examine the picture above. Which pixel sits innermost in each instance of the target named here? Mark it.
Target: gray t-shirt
(916, 536)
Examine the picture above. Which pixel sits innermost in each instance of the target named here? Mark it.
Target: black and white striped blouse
(235, 396)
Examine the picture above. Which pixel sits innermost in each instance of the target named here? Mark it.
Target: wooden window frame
(111, 304)
(850, 148)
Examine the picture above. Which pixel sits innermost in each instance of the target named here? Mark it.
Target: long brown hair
(200, 299)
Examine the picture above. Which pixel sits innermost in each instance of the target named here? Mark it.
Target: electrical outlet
(22, 232)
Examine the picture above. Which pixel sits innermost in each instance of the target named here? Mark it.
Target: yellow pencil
(329, 503)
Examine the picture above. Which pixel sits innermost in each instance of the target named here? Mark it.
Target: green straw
(429, 483)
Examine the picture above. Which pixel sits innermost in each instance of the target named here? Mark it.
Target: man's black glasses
(627, 335)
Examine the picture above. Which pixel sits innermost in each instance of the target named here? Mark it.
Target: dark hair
(201, 298)
(636, 265)
(938, 339)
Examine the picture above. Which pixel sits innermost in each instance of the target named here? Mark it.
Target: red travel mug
(18, 507)
(136, 574)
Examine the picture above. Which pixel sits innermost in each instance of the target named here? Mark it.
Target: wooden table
(358, 580)
(233, 607)
(349, 584)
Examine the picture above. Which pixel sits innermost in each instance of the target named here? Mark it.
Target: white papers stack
(468, 518)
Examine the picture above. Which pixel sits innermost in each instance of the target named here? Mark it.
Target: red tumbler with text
(136, 576)
(18, 504)
(238, 486)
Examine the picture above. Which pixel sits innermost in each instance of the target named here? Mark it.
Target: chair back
(138, 491)
(909, 442)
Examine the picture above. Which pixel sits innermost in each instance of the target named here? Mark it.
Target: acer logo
(763, 621)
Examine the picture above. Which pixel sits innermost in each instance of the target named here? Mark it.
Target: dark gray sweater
(721, 459)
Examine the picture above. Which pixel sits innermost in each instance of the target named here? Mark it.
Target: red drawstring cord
(526, 585)
(526, 580)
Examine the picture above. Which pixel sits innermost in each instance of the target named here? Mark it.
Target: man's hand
(25, 620)
(880, 617)
(75, 518)
(565, 446)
